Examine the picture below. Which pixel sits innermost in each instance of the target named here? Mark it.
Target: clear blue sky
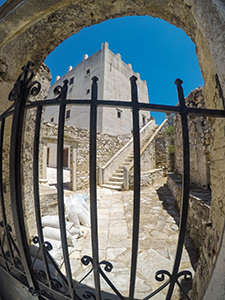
(160, 52)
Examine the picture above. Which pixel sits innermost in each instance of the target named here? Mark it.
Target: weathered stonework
(203, 174)
(199, 209)
(44, 77)
(107, 146)
(157, 154)
(200, 142)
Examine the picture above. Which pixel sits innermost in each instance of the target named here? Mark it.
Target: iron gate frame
(16, 260)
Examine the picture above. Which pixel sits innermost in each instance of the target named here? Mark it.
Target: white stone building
(113, 84)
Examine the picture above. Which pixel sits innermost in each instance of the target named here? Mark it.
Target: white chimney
(57, 78)
(70, 68)
(85, 57)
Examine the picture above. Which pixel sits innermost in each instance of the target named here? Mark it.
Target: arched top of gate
(32, 29)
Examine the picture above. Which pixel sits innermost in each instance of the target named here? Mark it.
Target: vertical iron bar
(36, 191)
(16, 184)
(62, 222)
(185, 187)
(137, 177)
(4, 219)
(93, 186)
(1, 178)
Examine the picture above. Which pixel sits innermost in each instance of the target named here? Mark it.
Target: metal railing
(16, 262)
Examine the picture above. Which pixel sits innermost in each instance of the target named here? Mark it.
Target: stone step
(128, 159)
(112, 187)
(117, 183)
(124, 164)
(120, 169)
(116, 178)
(118, 174)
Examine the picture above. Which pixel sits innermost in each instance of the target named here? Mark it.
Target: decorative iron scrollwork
(86, 260)
(57, 90)
(61, 91)
(24, 86)
(34, 292)
(88, 295)
(9, 248)
(160, 275)
(107, 267)
(49, 276)
(58, 282)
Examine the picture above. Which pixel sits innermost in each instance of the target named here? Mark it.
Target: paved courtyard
(157, 240)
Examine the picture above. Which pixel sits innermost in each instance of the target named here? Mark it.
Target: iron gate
(16, 265)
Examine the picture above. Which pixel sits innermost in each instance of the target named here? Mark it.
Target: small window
(119, 113)
(71, 80)
(88, 91)
(88, 71)
(68, 113)
(52, 119)
(143, 120)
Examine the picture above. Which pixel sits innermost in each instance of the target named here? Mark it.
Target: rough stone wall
(148, 161)
(147, 178)
(160, 154)
(157, 155)
(206, 151)
(199, 209)
(27, 152)
(200, 141)
(44, 77)
(164, 144)
(107, 146)
(215, 227)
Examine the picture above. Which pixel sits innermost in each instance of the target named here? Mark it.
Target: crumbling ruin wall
(107, 146)
(44, 77)
(200, 142)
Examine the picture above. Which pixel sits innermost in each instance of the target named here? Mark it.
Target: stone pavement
(157, 240)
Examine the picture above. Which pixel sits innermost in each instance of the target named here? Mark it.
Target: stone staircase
(116, 180)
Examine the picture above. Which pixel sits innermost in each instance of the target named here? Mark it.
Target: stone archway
(30, 30)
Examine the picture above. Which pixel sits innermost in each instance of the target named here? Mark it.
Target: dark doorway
(65, 157)
(48, 153)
